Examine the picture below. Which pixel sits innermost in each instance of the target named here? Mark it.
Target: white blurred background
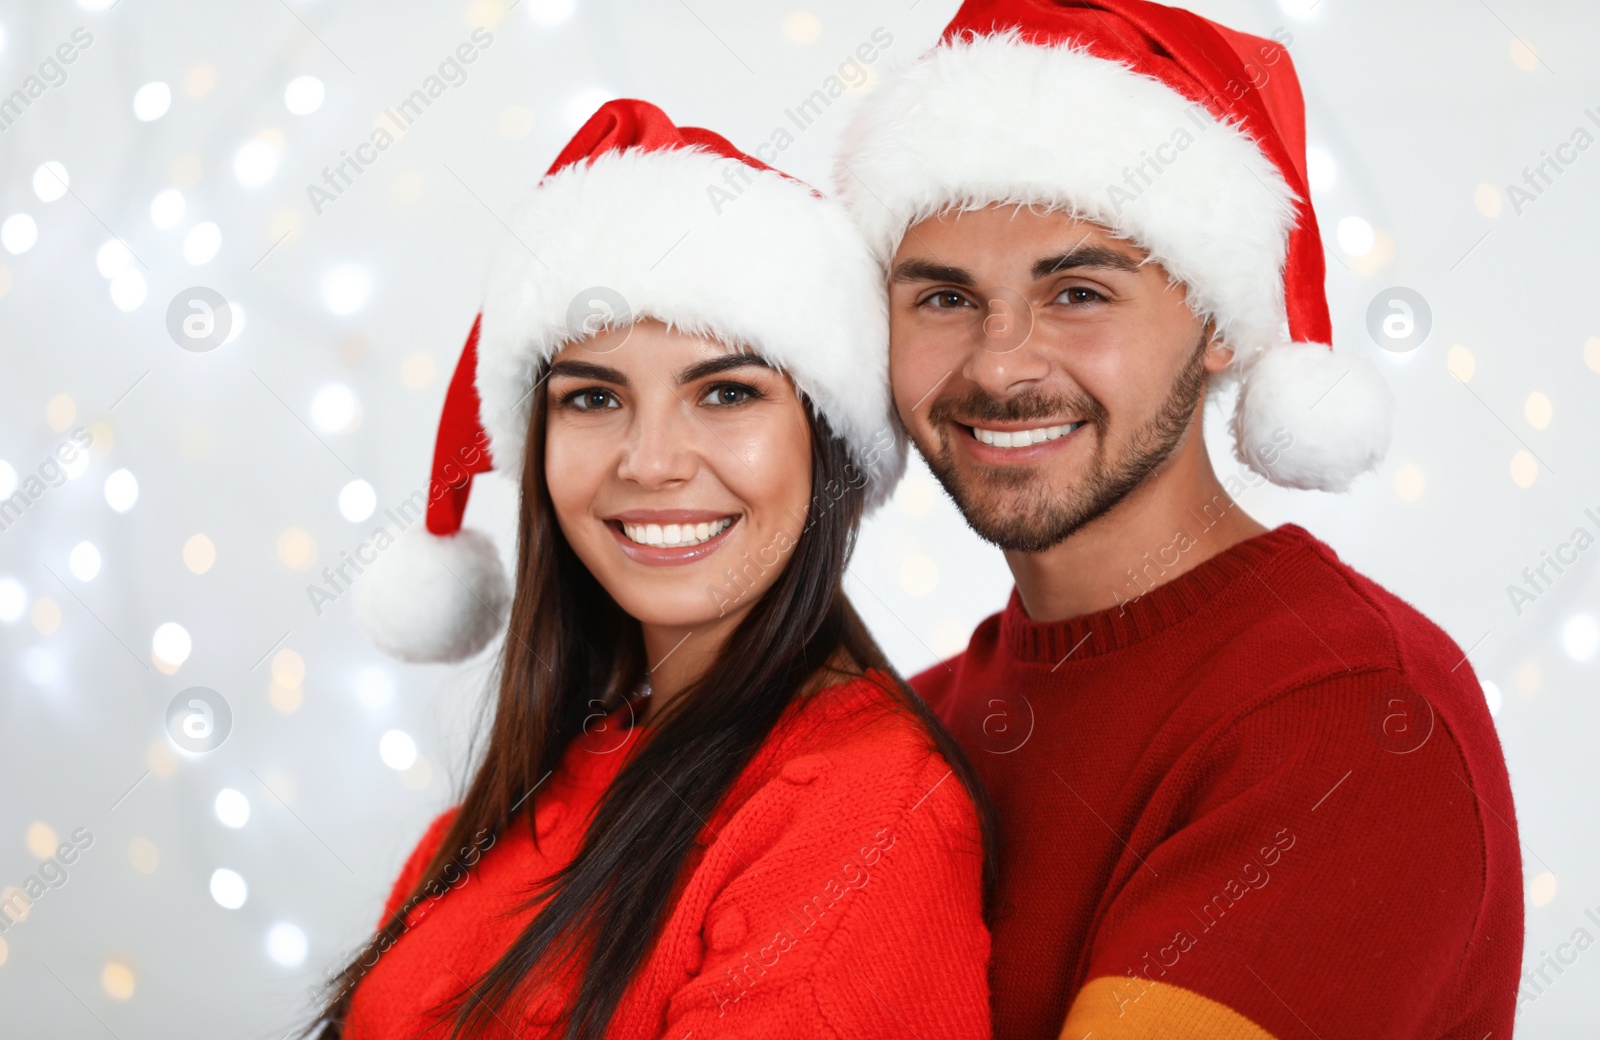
(213, 888)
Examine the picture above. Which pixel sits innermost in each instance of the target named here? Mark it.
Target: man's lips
(1016, 441)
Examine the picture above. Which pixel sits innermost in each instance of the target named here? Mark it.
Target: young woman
(706, 807)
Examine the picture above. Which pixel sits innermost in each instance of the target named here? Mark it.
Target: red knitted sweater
(835, 894)
(1264, 800)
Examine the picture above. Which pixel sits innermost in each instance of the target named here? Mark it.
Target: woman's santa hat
(637, 218)
(1183, 136)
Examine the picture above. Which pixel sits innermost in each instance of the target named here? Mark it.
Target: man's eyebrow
(588, 370)
(1084, 256)
(722, 363)
(928, 271)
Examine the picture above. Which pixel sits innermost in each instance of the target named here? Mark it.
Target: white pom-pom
(1309, 418)
(429, 598)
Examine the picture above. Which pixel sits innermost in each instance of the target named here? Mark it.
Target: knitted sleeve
(1315, 868)
(857, 914)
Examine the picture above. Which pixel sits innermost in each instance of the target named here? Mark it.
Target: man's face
(1041, 367)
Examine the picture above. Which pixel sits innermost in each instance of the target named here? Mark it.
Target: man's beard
(1039, 516)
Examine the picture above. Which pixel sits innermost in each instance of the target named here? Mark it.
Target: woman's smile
(668, 537)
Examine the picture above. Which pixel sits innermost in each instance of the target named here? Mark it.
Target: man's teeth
(1023, 438)
(675, 535)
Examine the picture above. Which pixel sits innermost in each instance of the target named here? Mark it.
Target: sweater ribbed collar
(1105, 631)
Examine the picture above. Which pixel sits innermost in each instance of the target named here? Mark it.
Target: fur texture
(708, 245)
(458, 614)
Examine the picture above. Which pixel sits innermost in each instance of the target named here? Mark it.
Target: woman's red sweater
(835, 894)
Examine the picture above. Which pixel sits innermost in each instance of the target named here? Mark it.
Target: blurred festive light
(159, 757)
(374, 687)
(334, 408)
(40, 666)
(235, 323)
(45, 616)
(152, 101)
(128, 289)
(1581, 637)
(1321, 170)
(582, 105)
(304, 95)
(288, 667)
(1492, 694)
(199, 80)
(1591, 353)
(199, 553)
(84, 561)
(76, 465)
(13, 600)
(1523, 56)
(228, 888)
(345, 288)
(802, 27)
(122, 490)
(41, 840)
(95, 5)
(1486, 197)
(550, 12)
(1460, 363)
(50, 181)
(116, 978)
(416, 371)
(112, 258)
(1542, 889)
(166, 209)
(202, 243)
(286, 945)
(143, 855)
(297, 549)
(1524, 469)
(1303, 10)
(19, 233)
(1409, 482)
(357, 500)
(286, 699)
(59, 412)
(919, 575)
(232, 808)
(1538, 410)
(255, 162)
(171, 644)
(397, 750)
(1356, 236)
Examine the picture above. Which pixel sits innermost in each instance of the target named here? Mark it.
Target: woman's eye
(1078, 295)
(729, 393)
(946, 300)
(592, 400)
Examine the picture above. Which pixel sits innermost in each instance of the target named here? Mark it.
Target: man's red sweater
(1264, 800)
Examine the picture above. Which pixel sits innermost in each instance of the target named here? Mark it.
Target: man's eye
(1078, 295)
(592, 400)
(946, 299)
(729, 393)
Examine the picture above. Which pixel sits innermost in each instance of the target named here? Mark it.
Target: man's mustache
(975, 406)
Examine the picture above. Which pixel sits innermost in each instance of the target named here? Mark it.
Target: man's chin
(1011, 514)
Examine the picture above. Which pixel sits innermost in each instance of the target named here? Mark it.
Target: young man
(1244, 791)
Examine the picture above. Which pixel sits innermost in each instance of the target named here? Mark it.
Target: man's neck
(1178, 518)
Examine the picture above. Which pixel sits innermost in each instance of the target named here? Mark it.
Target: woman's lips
(671, 555)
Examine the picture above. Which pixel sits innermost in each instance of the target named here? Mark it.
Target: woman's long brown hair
(570, 644)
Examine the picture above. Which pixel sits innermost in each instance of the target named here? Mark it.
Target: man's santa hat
(637, 218)
(1180, 135)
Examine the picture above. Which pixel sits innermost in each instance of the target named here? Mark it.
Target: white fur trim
(1309, 418)
(429, 598)
(993, 119)
(709, 245)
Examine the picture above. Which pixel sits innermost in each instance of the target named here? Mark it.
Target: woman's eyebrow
(723, 363)
(588, 370)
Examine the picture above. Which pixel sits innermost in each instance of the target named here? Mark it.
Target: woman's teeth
(1022, 438)
(675, 535)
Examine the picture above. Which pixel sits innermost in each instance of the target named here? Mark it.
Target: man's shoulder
(939, 685)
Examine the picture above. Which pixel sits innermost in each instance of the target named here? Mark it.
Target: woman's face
(679, 470)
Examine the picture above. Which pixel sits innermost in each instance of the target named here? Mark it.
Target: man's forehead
(1036, 238)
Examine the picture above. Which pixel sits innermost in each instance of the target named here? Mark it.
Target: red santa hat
(637, 218)
(1176, 133)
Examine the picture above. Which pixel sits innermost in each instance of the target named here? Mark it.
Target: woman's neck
(676, 656)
